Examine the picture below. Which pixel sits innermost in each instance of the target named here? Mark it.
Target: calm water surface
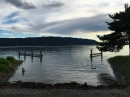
(61, 64)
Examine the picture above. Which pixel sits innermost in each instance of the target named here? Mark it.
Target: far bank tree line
(45, 41)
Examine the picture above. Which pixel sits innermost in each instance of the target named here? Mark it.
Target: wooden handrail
(95, 55)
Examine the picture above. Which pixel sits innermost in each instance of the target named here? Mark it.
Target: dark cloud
(88, 24)
(52, 5)
(20, 4)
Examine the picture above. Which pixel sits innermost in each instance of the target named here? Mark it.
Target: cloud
(105, 4)
(14, 14)
(55, 17)
(8, 34)
(53, 5)
(20, 4)
(84, 25)
(11, 18)
(70, 26)
(10, 21)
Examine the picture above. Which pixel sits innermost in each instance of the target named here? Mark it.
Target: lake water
(61, 64)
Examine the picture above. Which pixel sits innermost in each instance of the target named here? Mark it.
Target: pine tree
(120, 35)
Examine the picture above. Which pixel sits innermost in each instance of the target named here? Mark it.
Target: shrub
(11, 59)
(4, 61)
(4, 68)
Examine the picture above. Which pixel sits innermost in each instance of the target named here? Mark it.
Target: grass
(11, 59)
(4, 61)
(8, 64)
(122, 64)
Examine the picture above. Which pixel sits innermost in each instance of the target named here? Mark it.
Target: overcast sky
(66, 18)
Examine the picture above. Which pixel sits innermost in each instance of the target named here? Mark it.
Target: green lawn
(122, 64)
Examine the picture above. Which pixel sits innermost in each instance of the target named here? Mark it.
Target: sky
(64, 18)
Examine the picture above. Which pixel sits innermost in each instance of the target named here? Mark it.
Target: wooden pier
(30, 54)
(96, 55)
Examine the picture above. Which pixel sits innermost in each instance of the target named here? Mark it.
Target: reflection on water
(61, 64)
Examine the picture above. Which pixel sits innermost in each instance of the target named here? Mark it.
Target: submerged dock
(40, 55)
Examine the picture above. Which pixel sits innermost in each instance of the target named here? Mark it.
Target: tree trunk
(129, 45)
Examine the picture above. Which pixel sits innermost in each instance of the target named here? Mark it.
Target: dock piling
(91, 55)
(30, 54)
(19, 53)
(25, 52)
(96, 55)
(101, 55)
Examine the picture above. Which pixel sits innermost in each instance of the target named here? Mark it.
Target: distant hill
(45, 41)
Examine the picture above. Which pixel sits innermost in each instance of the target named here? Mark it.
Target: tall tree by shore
(120, 36)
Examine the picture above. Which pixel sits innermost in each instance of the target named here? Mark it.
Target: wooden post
(19, 53)
(40, 59)
(91, 55)
(32, 54)
(25, 54)
(40, 55)
(101, 56)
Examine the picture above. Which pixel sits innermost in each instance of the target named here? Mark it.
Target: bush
(8, 64)
(11, 59)
(4, 68)
(4, 61)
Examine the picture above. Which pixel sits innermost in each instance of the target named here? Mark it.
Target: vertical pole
(40, 55)
(129, 43)
(40, 59)
(91, 55)
(25, 54)
(129, 48)
(101, 55)
(19, 53)
(32, 54)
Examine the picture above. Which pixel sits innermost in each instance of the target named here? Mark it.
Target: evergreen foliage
(120, 36)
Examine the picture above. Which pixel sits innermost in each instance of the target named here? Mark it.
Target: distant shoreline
(45, 41)
(42, 46)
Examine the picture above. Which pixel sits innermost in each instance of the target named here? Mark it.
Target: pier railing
(40, 55)
(96, 55)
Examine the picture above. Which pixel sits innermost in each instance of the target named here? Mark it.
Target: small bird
(23, 71)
